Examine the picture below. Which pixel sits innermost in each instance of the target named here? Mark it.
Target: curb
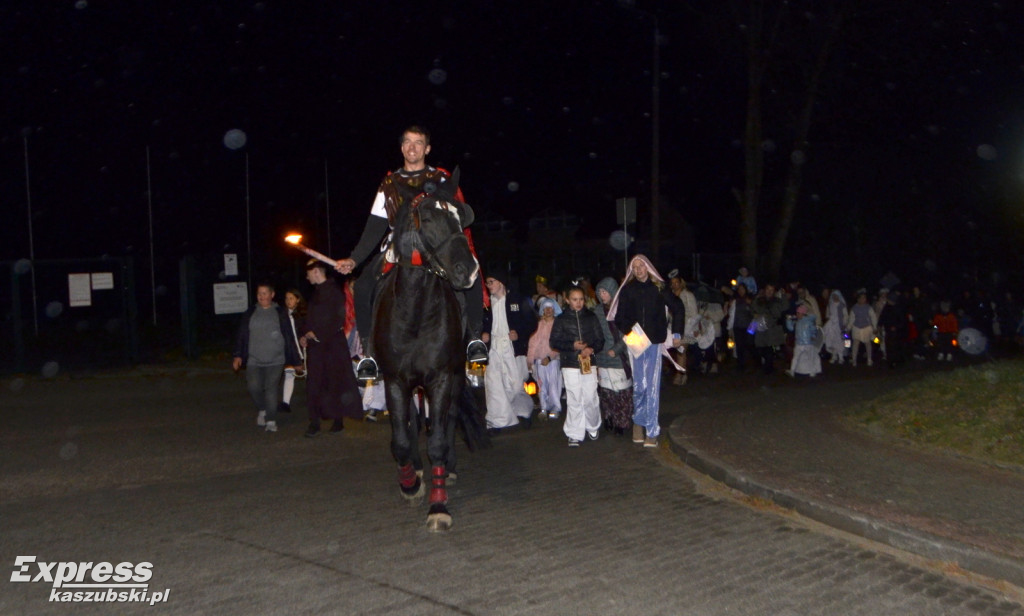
(922, 543)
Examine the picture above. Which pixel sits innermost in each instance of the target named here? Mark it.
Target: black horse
(417, 334)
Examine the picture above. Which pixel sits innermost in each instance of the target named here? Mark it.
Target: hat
(541, 279)
(547, 301)
(673, 273)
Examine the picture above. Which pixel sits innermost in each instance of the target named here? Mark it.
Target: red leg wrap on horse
(438, 493)
(406, 476)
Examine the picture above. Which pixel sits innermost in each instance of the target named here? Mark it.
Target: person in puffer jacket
(577, 335)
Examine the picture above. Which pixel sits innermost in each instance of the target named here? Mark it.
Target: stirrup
(366, 370)
(476, 352)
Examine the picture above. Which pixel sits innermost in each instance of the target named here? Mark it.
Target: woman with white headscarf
(835, 341)
(639, 302)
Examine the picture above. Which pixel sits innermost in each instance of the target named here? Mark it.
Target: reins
(425, 258)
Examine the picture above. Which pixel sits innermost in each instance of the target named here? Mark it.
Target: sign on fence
(230, 297)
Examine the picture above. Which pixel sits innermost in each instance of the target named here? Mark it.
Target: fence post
(131, 308)
(19, 331)
(187, 286)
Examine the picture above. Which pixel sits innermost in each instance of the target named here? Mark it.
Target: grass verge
(976, 411)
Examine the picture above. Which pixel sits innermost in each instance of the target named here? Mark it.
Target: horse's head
(428, 232)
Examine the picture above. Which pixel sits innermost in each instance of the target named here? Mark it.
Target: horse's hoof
(439, 522)
(450, 481)
(415, 493)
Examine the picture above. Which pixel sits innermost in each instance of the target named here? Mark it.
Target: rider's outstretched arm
(374, 231)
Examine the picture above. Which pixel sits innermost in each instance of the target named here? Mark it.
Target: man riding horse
(398, 188)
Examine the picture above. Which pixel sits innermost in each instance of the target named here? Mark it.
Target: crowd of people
(597, 353)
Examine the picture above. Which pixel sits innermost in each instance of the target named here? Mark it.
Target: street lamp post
(655, 147)
(655, 129)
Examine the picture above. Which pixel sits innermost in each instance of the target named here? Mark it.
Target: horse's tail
(471, 418)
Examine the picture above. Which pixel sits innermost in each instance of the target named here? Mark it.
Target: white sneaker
(271, 426)
(261, 419)
(941, 356)
(949, 357)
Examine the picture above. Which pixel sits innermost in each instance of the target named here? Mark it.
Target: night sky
(914, 164)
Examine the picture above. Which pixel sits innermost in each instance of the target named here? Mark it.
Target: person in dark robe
(331, 388)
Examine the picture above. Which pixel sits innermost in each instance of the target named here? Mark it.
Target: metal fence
(68, 313)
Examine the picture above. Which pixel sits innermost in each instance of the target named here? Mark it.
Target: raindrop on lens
(53, 309)
(437, 76)
(81, 4)
(234, 139)
(798, 157)
(987, 152)
(513, 186)
(619, 239)
(113, 325)
(22, 266)
(82, 326)
(17, 384)
(68, 451)
(50, 369)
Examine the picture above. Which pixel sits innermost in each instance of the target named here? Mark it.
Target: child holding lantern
(577, 335)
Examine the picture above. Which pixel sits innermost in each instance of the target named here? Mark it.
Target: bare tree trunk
(750, 198)
(794, 177)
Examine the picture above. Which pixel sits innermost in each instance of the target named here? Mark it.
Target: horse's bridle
(430, 262)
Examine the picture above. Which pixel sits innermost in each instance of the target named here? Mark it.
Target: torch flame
(294, 238)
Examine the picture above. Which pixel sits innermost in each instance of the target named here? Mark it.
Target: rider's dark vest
(401, 187)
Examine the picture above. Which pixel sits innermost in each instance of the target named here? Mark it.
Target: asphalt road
(169, 468)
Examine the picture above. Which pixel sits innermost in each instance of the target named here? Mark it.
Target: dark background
(914, 166)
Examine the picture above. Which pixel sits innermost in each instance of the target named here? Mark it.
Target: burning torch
(294, 240)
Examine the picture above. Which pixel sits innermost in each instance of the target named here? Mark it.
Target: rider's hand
(345, 266)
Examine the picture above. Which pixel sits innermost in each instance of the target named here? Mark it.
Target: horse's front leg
(438, 447)
(403, 438)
